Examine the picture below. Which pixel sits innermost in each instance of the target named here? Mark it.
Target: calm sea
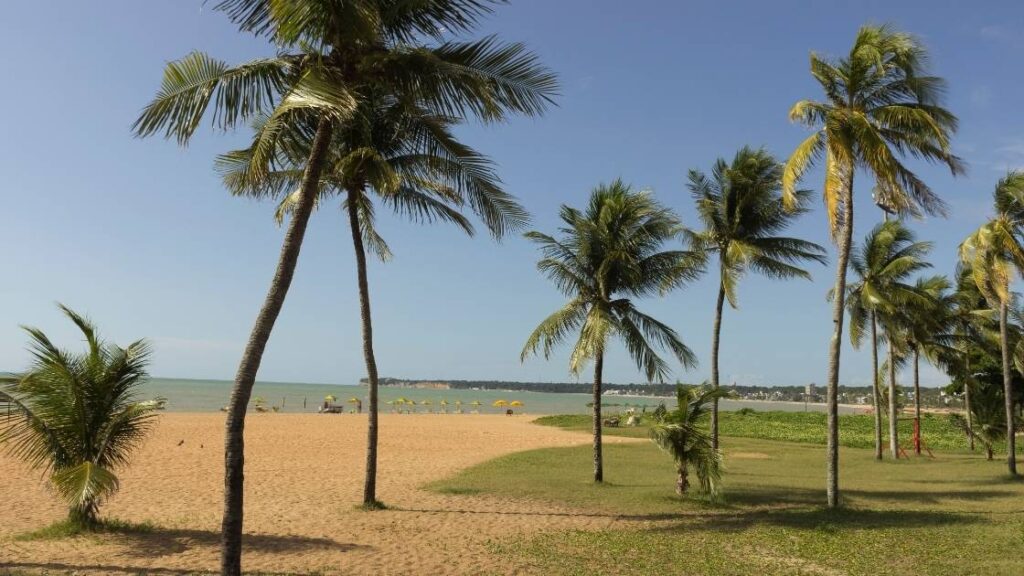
(210, 395)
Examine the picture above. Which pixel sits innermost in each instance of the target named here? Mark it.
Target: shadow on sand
(166, 542)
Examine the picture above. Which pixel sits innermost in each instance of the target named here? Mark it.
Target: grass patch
(375, 505)
(69, 529)
(855, 430)
(955, 515)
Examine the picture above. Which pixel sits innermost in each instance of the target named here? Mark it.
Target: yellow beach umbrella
(500, 403)
(516, 403)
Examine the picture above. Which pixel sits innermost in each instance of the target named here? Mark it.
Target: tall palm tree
(406, 157)
(332, 54)
(882, 265)
(78, 417)
(607, 253)
(880, 105)
(968, 325)
(927, 330)
(741, 208)
(994, 253)
(680, 432)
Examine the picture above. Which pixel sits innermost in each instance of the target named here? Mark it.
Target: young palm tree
(741, 208)
(880, 105)
(608, 253)
(883, 265)
(994, 252)
(681, 433)
(78, 416)
(332, 53)
(406, 157)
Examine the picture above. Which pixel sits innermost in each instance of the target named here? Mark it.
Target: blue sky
(140, 235)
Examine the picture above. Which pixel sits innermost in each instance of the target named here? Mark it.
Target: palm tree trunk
(1011, 453)
(682, 483)
(845, 240)
(370, 483)
(598, 460)
(917, 401)
(234, 442)
(894, 431)
(877, 389)
(714, 363)
(967, 397)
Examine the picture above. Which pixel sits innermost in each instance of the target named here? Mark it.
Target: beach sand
(304, 477)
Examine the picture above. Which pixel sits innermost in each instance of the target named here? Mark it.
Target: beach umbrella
(444, 405)
(500, 403)
(357, 402)
(330, 398)
(516, 403)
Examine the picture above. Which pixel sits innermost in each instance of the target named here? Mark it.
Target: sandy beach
(304, 476)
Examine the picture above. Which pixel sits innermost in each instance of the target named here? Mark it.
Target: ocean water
(184, 395)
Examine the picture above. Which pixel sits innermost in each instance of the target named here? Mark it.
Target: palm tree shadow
(165, 542)
(929, 497)
(819, 520)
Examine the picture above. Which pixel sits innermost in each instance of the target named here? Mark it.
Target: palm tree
(332, 53)
(880, 105)
(882, 265)
(609, 252)
(927, 325)
(681, 433)
(969, 324)
(989, 419)
(77, 416)
(993, 252)
(742, 211)
(406, 156)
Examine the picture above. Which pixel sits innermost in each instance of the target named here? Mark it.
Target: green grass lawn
(855, 430)
(955, 515)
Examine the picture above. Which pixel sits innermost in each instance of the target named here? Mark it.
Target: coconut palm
(969, 323)
(77, 416)
(880, 105)
(927, 330)
(607, 253)
(994, 253)
(989, 418)
(333, 54)
(404, 156)
(882, 266)
(681, 433)
(742, 212)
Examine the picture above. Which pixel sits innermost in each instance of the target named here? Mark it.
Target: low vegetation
(856, 430)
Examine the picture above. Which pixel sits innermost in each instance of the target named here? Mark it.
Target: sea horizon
(210, 395)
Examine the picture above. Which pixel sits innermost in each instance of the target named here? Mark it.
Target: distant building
(811, 389)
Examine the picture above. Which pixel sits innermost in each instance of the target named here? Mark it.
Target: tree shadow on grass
(819, 520)
(929, 497)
